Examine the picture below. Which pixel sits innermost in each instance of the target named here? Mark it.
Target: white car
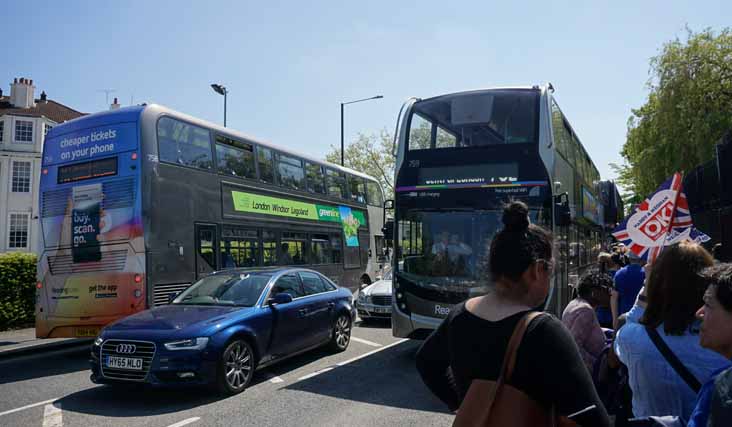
(374, 301)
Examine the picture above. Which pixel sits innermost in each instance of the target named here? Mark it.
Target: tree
(685, 115)
(371, 155)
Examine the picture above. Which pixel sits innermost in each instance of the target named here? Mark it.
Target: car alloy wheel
(237, 367)
(341, 333)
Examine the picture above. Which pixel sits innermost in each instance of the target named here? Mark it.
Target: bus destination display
(469, 174)
(87, 170)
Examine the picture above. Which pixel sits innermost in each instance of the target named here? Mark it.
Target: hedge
(17, 289)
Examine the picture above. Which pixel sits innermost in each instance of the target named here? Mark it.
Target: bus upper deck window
(266, 164)
(184, 144)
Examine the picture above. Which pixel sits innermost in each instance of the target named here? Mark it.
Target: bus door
(206, 249)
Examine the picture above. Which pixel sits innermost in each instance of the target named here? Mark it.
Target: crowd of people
(643, 344)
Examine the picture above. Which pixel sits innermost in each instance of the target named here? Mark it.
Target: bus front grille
(161, 293)
(111, 261)
(144, 350)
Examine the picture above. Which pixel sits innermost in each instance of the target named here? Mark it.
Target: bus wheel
(236, 367)
(341, 334)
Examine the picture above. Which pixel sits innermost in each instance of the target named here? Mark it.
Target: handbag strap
(509, 360)
(674, 361)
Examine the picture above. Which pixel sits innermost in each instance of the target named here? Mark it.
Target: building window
(2, 129)
(46, 128)
(20, 182)
(23, 131)
(18, 231)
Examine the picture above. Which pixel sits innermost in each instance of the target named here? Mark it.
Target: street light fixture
(346, 103)
(221, 90)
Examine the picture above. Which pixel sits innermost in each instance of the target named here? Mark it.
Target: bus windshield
(475, 119)
(447, 249)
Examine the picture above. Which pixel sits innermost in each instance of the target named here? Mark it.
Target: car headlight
(98, 341)
(189, 344)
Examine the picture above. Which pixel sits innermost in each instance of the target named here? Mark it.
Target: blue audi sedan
(223, 328)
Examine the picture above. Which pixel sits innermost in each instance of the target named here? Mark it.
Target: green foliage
(370, 155)
(17, 288)
(685, 115)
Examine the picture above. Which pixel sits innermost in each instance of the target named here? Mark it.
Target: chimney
(115, 105)
(43, 96)
(21, 93)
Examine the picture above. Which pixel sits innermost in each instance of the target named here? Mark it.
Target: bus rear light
(134, 156)
(138, 278)
(39, 285)
(44, 171)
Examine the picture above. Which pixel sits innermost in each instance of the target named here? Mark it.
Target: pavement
(23, 341)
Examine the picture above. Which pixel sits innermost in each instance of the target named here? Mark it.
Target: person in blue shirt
(716, 335)
(628, 282)
(674, 293)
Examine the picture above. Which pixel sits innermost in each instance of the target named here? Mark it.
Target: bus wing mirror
(388, 230)
(562, 215)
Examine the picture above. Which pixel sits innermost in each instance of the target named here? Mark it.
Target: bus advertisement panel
(91, 267)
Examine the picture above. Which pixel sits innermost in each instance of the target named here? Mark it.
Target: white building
(24, 122)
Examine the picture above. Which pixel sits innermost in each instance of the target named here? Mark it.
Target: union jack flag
(662, 219)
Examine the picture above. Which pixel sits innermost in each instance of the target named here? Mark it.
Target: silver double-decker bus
(140, 202)
(460, 157)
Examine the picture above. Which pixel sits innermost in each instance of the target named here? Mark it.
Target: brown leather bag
(495, 403)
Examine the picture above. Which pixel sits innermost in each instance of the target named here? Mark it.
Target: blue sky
(288, 65)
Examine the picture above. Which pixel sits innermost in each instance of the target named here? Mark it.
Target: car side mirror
(281, 298)
(172, 296)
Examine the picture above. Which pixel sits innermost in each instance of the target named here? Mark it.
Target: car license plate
(90, 332)
(117, 362)
(381, 309)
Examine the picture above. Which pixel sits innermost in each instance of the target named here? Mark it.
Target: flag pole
(673, 213)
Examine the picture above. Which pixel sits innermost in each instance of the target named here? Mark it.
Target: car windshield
(445, 250)
(236, 289)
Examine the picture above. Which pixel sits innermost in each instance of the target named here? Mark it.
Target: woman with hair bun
(471, 342)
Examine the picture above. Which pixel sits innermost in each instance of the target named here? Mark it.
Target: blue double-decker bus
(138, 203)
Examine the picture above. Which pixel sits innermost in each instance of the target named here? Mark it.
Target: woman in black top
(472, 341)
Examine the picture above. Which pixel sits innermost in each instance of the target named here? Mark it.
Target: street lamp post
(346, 103)
(221, 90)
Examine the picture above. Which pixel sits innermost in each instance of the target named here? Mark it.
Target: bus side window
(269, 248)
(357, 188)
(374, 194)
(321, 249)
(184, 144)
(336, 182)
(266, 165)
(315, 178)
(337, 247)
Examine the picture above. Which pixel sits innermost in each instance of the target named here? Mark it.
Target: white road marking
(185, 422)
(346, 362)
(367, 342)
(371, 352)
(314, 374)
(32, 405)
(52, 415)
(273, 378)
